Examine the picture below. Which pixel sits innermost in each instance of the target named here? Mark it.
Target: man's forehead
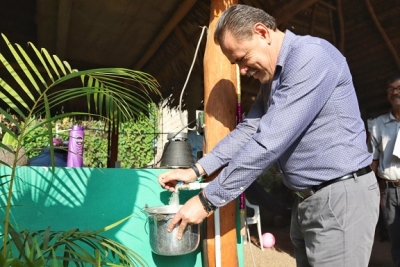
(232, 49)
(396, 82)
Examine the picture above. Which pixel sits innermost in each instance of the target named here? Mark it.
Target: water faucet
(190, 186)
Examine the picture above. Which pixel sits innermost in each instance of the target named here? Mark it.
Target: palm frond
(42, 82)
(57, 248)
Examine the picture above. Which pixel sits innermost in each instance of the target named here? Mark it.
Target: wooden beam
(289, 10)
(220, 104)
(383, 34)
(183, 9)
(64, 17)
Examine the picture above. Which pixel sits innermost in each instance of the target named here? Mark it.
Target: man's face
(393, 93)
(255, 57)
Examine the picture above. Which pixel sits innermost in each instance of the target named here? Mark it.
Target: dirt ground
(281, 255)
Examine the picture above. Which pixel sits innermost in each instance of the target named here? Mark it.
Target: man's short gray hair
(239, 21)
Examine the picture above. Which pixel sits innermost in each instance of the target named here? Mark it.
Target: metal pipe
(190, 186)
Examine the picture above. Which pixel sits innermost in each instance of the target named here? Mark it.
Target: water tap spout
(190, 186)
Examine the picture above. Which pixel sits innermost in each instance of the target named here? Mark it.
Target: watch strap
(207, 205)
(195, 169)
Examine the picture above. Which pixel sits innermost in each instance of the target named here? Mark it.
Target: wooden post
(220, 102)
(113, 145)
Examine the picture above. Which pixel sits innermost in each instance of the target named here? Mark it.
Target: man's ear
(262, 31)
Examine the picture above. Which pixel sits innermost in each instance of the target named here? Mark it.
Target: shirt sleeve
(374, 140)
(225, 150)
(307, 81)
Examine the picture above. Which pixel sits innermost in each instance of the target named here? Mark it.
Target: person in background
(196, 143)
(306, 119)
(385, 145)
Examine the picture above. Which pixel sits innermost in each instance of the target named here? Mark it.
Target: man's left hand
(192, 212)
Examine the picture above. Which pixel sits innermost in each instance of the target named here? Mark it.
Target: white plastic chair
(255, 219)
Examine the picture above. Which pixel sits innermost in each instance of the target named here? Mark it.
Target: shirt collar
(389, 118)
(285, 48)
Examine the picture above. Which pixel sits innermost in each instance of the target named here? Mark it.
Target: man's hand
(192, 212)
(168, 180)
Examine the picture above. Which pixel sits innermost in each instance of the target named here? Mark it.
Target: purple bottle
(75, 146)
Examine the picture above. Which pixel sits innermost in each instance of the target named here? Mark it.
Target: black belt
(393, 184)
(311, 191)
(390, 184)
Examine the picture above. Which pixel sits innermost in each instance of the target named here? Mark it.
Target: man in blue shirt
(306, 119)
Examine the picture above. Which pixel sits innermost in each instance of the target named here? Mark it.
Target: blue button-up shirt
(307, 121)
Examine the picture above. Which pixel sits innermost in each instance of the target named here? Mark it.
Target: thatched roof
(160, 37)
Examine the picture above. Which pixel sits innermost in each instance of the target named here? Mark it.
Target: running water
(174, 199)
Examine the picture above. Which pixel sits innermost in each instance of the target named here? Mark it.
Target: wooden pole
(220, 102)
(113, 144)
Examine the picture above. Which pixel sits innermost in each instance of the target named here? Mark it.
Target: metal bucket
(166, 243)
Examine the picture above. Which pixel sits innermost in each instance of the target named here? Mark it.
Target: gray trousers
(391, 213)
(335, 227)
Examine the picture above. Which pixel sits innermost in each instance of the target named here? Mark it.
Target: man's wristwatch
(196, 170)
(207, 205)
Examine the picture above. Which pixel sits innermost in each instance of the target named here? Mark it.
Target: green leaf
(118, 95)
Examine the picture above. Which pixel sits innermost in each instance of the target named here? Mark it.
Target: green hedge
(135, 144)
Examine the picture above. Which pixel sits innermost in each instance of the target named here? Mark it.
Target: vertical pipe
(242, 199)
(217, 239)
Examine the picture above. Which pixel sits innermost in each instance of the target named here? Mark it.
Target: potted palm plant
(116, 94)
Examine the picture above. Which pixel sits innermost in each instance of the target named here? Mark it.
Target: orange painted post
(220, 103)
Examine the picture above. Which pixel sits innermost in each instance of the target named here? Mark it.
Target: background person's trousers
(391, 213)
(335, 227)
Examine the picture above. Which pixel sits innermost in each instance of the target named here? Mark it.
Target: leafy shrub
(136, 141)
(135, 144)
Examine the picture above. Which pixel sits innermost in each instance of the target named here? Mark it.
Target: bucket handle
(144, 208)
(145, 226)
(147, 221)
